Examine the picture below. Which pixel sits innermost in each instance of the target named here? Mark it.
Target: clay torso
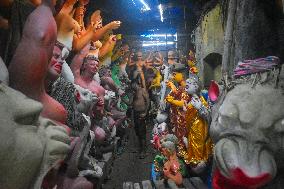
(139, 102)
(93, 86)
(28, 74)
(65, 30)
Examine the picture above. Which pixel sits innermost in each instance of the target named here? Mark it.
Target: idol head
(139, 55)
(125, 48)
(90, 64)
(171, 55)
(60, 53)
(178, 77)
(168, 148)
(192, 85)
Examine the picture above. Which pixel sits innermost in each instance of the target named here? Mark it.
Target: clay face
(248, 135)
(171, 55)
(191, 86)
(91, 65)
(27, 147)
(98, 44)
(18, 132)
(139, 55)
(125, 49)
(85, 99)
(56, 62)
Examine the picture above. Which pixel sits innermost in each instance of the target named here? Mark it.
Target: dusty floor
(128, 166)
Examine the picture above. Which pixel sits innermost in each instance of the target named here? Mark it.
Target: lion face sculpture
(30, 145)
(249, 135)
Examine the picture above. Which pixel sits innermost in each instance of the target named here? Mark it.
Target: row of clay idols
(31, 69)
(39, 146)
(246, 129)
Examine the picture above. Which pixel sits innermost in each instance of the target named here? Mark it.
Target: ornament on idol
(192, 63)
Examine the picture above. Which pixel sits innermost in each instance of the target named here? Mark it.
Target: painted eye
(56, 56)
(27, 116)
(28, 119)
(77, 96)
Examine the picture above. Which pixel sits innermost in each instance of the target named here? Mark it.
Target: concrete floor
(128, 166)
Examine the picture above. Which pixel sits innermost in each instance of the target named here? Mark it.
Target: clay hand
(100, 102)
(185, 141)
(95, 25)
(81, 10)
(162, 106)
(87, 118)
(195, 101)
(113, 132)
(168, 84)
(169, 99)
(109, 113)
(84, 2)
(114, 25)
(171, 85)
(56, 142)
(94, 98)
(158, 59)
(112, 38)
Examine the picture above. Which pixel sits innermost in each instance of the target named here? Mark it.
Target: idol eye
(56, 56)
(28, 118)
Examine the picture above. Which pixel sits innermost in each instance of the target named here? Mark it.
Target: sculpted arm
(80, 41)
(68, 7)
(78, 61)
(102, 31)
(170, 99)
(83, 38)
(117, 53)
(204, 110)
(149, 61)
(107, 46)
(160, 59)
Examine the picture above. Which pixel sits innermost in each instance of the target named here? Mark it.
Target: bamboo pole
(228, 39)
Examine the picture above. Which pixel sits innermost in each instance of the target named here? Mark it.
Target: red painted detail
(239, 180)
(77, 96)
